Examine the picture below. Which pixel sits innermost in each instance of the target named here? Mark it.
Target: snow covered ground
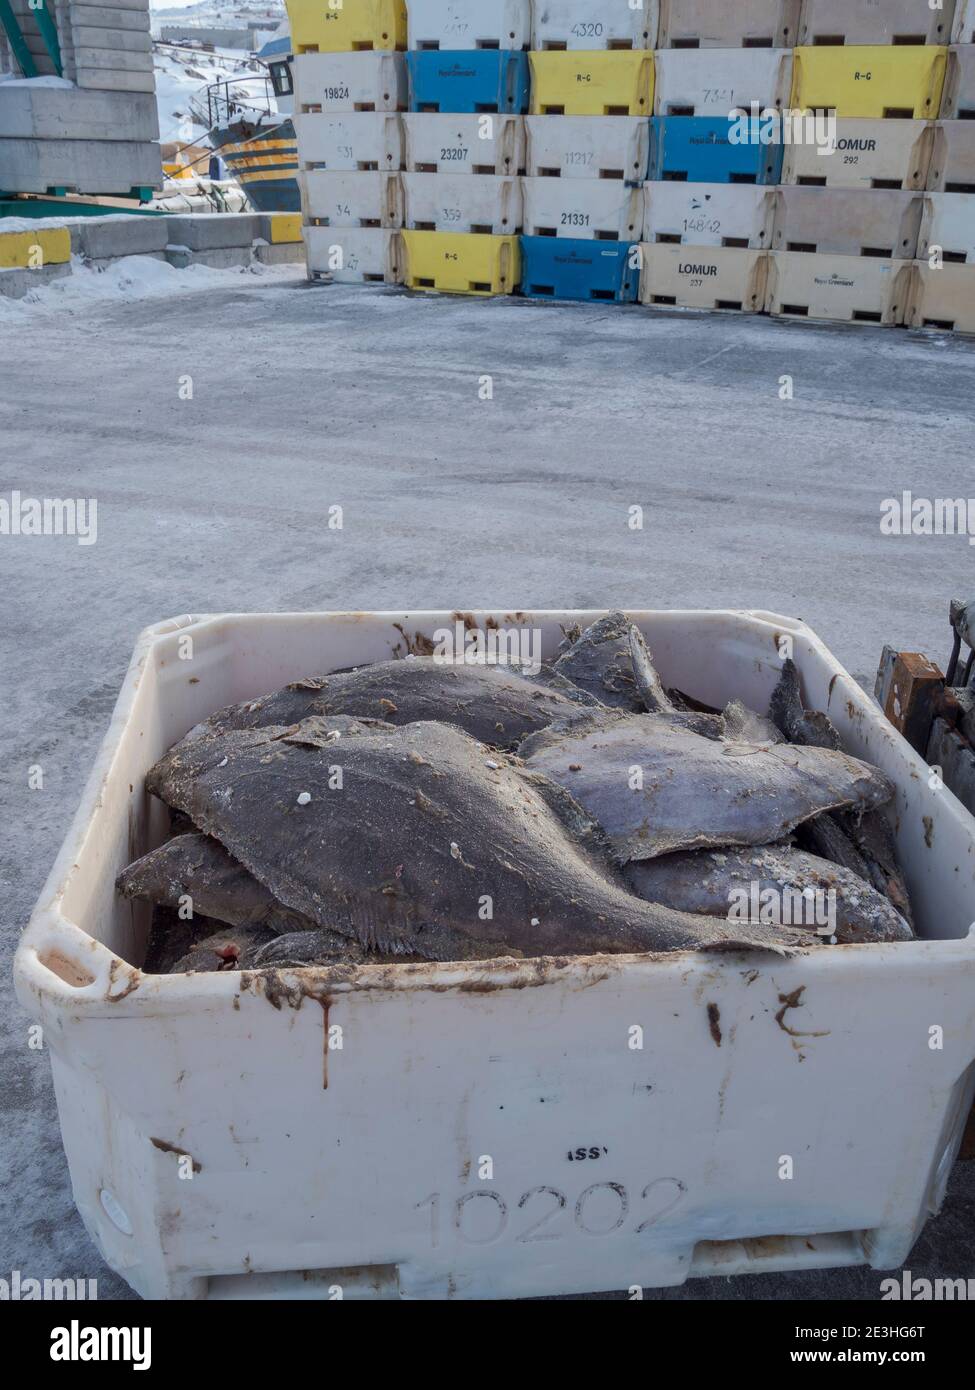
(129, 279)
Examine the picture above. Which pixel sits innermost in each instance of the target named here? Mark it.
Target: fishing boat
(252, 131)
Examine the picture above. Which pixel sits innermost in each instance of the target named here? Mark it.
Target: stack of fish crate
(94, 131)
(660, 159)
(349, 90)
(465, 144)
(592, 74)
(848, 221)
(944, 283)
(710, 201)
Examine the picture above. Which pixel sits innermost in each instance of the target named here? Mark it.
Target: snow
(129, 279)
(11, 81)
(182, 74)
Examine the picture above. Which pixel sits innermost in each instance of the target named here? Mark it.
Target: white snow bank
(132, 278)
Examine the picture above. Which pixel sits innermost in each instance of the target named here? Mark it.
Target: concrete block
(107, 238)
(109, 17)
(221, 258)
(38, 246)
(58, 113)
(116, 40)
(104, 262)
(112, 59)
(83, 166)
(283, 253)
(101, 79)
(214, 231)
(14, 284)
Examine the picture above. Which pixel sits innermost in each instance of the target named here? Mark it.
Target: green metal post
(21, 52)
(49, 33)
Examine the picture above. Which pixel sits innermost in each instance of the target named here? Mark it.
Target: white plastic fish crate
(361, 81)
(868, 154)
(848, 221)
(354, 140)
(353, 255)
(963, 29)
(744, 24)
(588, 147)
(952, 161)
(958, 97)
(340, 198)
(581, 25)
(314, 1165)
(461, 25)
(709, 214)
(948, 222)
(943, 299)
(584, 209)
(867, 22)
(456, 143)
(486, 203)
(696, 82)
(703, 277)
(848, 289)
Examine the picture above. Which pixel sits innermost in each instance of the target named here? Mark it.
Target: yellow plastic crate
(32, 250)
(461, 262)
(871, 80)
(609, 83)
(317, 27)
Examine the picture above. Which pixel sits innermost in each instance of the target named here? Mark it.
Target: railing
(228, 99)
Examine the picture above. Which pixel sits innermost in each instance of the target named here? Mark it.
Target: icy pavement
(308, 397)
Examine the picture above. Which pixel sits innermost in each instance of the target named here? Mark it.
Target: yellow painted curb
(31, 250)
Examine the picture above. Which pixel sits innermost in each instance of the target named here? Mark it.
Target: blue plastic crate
(563, 268)
(466, 83)
(699, 149)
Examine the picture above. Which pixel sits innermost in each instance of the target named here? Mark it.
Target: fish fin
(648, 683)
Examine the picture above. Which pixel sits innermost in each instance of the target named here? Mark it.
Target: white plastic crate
(963, 29)
(743, 24)
(848, 221)
(351, 140)
(588, 147)
(949, 223)
(301, 1179)
(951, 167)
(354, 255)
(461, 25)
(343, 198)
(702, 277)
(958, 97)
(870, 22)
(709, 214)
(582, 26)
(692, 82)
(462, 144)
(482, 203)
(847, 289)
(364, 81)
(943, 299)
(868, 154)
(584, 209)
